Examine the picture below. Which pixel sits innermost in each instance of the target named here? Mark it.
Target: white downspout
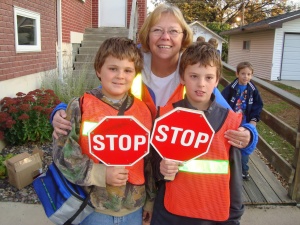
(59, 40)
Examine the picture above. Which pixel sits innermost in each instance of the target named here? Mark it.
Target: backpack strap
(82, 206)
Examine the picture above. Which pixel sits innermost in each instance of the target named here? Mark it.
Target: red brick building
(32, 32)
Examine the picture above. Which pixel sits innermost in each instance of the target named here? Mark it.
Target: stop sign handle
(171, 177)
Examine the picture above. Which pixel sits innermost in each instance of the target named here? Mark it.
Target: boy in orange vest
(119, 194)
(210, 194)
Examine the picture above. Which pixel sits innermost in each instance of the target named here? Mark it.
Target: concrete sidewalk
(291, 83)
(27, 214)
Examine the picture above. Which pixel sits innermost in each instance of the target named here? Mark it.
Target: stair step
(92, 40)
(95, 43)
(83, 66)
(108, 30)
(84, 58)
(88, 50)
(101, 37)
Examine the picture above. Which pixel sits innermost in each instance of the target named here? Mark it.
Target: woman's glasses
(159, 32)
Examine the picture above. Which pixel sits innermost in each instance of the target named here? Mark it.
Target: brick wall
(142, 12)
(95, 13)
(12, 64)
(76, 16)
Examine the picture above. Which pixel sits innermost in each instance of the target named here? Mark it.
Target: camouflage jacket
(81, 170)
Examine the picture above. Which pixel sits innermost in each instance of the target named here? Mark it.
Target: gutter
(59, 40)
(248, 29)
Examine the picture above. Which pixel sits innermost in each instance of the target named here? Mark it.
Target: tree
(226, 11)
(221, 15)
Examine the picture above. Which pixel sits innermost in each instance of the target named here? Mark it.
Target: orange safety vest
(177, 95)
(93, 110)
(204, 195)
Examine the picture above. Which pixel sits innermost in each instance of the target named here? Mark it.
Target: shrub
(3, 170)
(74, 84)
(26, 117)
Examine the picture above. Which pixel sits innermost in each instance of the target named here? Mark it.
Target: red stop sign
(182, 134)
(119, 141)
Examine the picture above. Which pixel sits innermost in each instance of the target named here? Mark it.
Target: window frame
(246, 45)
(32, 15)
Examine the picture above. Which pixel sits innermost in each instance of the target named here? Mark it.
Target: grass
(280, 109)
(73, 85)
(281, 146)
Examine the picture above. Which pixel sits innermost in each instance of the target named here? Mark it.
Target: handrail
(291, 173)
(133, 21)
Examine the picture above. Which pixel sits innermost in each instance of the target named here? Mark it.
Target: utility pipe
(59, 40)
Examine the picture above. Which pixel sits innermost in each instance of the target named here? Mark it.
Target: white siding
(290, 66)
(260, 54)
(288, 27)
(200, 31)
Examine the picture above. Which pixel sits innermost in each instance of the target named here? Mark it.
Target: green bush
(26, 117)
(3, 170)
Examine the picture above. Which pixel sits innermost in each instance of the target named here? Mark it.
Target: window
(27, 30)
(246, 45)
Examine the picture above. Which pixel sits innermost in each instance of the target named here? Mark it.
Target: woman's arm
(58, 119)
(245, 137)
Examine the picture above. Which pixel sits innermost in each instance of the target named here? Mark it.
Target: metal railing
(133, 25)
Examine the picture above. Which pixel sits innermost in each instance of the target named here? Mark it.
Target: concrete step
(88, 50)
(101, 37)
(108, 30)
(83, 66)
(95, 43)
(84, 58)
(92, 40)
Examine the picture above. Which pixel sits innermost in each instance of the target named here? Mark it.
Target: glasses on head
(159, 32)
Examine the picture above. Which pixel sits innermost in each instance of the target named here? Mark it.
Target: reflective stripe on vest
(87, 126)
(206, 166)
(204, 195)
(136, 87)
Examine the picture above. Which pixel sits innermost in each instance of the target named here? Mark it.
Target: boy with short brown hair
(119, 193)
(243, 97)
(201, 195)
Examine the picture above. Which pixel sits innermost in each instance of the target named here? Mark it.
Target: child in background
(200, 39)
(243, 97)
(214, 42)
(201, 195)
(117, 195)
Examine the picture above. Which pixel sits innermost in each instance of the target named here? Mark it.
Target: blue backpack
(64, 202)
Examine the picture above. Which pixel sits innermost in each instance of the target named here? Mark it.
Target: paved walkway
(28, 214)
(291, 83)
